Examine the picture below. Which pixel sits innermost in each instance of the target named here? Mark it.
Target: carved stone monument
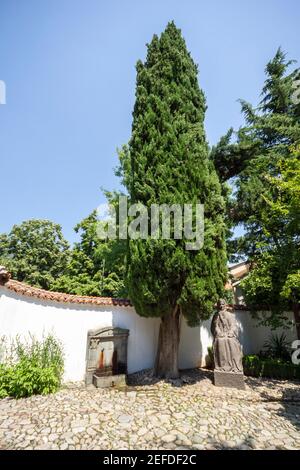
(106, 357)
(228, 371)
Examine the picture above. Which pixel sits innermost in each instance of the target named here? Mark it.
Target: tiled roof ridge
(42, 294)
(35, 292)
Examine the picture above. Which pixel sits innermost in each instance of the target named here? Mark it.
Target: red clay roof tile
(28, 291)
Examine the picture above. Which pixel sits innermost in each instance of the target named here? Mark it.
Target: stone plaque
(229, 379)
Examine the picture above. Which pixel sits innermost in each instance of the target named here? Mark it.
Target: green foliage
(6, 379)
(228, 296)
(26, 379)
(167, 161)
(273, 368)
(277, 347)
(263, 162)
(32, 367)
(274, 280)
(35, 252)
(96, 267)
(291, 287)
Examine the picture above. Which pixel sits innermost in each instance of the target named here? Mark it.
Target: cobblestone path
(185, 414)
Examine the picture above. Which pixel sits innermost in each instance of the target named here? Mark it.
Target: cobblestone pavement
(184, 414)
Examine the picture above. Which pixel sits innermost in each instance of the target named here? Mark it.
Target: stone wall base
(109, 381)
(229, 379)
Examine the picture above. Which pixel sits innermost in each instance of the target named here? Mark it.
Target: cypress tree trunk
(166, 364)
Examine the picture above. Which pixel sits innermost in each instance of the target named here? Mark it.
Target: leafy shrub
(270, 367)
(31, 367)
(6, 377)
(277, 347)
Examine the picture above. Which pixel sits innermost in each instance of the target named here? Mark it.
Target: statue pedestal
(229, 379)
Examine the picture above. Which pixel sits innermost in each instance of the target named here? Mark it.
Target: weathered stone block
(101, 381)
(229, 379)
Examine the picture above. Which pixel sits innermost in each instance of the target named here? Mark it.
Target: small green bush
(269, 367)
(277, 347)
(31, 367)
(6, 377)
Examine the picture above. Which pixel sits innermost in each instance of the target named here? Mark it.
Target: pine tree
(264, 160)
(167, 163)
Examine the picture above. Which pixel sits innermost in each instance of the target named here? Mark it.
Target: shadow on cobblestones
(187, 377)
(290, 410)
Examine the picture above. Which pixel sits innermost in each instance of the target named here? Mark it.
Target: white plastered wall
(20, 315)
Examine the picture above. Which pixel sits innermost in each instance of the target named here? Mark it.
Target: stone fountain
(106, 357)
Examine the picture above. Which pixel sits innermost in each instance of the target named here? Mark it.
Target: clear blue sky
(69, 69)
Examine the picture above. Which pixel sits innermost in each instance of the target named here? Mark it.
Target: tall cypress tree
(167, 163)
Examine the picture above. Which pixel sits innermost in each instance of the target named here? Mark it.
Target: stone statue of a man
(227, 349)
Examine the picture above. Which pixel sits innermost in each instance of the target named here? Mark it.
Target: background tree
(167, 162)
(274, 281)
(96, 267)
(35, 252)
(262, 164)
